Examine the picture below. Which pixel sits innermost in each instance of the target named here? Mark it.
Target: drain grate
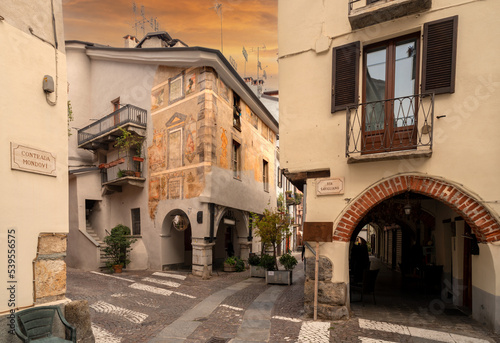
(217, 340)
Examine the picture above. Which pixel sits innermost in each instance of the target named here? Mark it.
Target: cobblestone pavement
(136, 306)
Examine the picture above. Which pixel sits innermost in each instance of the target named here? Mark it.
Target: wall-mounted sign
(318, 231)
(330, 186)
(32, 160)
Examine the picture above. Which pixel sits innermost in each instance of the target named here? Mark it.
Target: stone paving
(149, 306)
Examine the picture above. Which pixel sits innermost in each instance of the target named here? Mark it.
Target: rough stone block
(77, 313)
(325, 268)
(50, 278)
(328, 292)
(49, 243)
(327, 312)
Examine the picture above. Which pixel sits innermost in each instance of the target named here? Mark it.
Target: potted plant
(234, 264)
(272, 228)
(288, 261)
(118, 245)
(130, 144)
(255, 268)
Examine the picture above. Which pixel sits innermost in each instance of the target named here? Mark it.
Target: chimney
(130, 41)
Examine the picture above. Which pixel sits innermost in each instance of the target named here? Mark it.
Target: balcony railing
(128, 114)
(128, 167)
(390, 125)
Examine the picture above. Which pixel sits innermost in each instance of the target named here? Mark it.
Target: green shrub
(254, 260)
(267, 262)
(288, 261)
(237, 262)
(240, 265)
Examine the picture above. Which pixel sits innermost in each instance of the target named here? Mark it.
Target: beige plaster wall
(305, 96)
(465, 140)
(31, 203)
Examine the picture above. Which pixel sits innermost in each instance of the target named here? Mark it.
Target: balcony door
(390, 83)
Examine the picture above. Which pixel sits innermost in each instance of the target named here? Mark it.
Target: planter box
(280, 277)
(229, 267)
(256, 271)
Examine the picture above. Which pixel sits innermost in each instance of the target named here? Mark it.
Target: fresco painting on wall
(190, 152)
(174, 149)
(157, 98)
(191, 83)
(175, 88)
(223, 155)
(156, 153)
(175, 189)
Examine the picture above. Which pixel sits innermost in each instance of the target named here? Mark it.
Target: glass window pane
(405, 72)
(375, 89)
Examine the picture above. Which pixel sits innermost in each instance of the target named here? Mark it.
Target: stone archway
(483, 222)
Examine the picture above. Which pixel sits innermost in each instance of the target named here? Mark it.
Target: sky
(252, 24)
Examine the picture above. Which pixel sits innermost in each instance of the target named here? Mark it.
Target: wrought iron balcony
(390, 125)
(105, 130)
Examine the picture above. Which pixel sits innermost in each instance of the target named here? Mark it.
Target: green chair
(35, 324)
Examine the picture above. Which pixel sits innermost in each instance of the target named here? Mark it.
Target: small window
(236, 163)
(136, 221)
(265, 175)
(236, 111)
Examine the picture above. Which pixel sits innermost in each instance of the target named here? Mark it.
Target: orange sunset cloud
(245, 23)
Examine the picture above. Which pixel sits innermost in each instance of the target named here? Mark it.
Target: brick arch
(483, 223)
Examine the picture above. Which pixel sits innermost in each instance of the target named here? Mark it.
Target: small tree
(118, 245)
(272, 228)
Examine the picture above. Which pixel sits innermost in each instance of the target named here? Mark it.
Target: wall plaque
(330, 186)
(318, 231)
(32, 160)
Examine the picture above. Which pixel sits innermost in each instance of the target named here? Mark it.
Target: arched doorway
(433, 247)
(232, 237)
(176, 249)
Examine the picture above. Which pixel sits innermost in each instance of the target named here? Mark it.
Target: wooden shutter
(440, 56)
(345, 71)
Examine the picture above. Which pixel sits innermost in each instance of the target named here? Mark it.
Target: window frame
(136, 221)
(394, 134)
(236, 159)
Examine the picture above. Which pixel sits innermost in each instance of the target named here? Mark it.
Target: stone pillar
(245, 247)
(77, 313)
(202, 257)
(50, 268)
(332, 296)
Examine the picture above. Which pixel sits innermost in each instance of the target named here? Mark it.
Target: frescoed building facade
(398, 103)
(206, 161)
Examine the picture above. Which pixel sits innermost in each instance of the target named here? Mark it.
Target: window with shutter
(345, 70)
(439, 56)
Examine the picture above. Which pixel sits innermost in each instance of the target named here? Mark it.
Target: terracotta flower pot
(117, 268)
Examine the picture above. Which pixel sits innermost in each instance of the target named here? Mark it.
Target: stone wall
(50, 268)
(332, 296)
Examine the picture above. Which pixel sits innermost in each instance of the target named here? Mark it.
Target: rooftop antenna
(245, 54)
(259, 65)
(218, 9)
(139, 23)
